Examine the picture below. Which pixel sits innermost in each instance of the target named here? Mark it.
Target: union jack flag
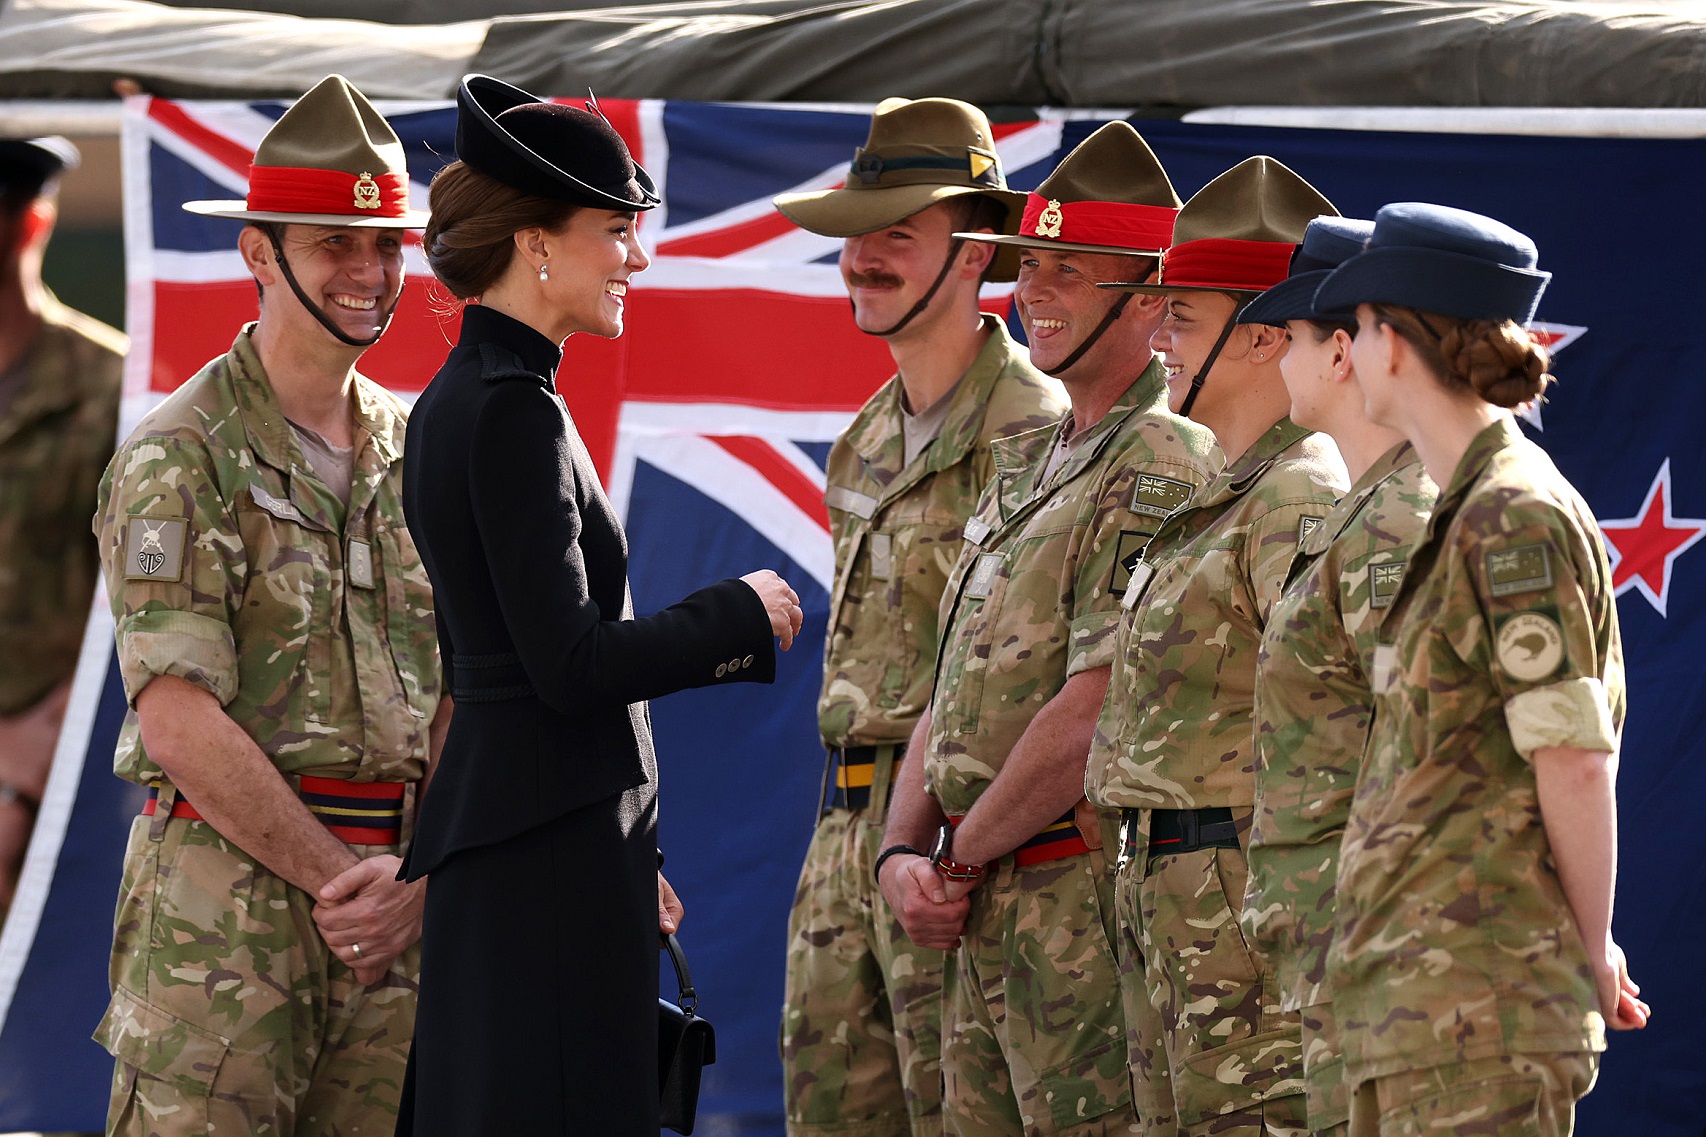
(711, 421)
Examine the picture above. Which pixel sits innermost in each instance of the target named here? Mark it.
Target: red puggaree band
(295, 189)
(1148, 228)
(1216, 262)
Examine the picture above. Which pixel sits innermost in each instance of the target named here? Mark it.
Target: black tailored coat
(538, 996)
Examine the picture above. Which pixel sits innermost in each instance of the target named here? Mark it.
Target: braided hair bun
(1499, 360)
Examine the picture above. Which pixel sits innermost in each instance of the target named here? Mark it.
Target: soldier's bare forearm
(913, 815)
(1042, 778)
(219, 769)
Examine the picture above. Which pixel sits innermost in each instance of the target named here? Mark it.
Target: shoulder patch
(1128, 554)
(1526, 568)
(1529, 646)
(1383, 582)
(154, 548)
(1158, 496)
(1306, 526)
(983, 575)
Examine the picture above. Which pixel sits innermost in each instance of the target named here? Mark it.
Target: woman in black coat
(538, 1011)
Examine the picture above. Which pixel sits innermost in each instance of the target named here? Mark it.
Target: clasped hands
(930, 907)
(368, 917)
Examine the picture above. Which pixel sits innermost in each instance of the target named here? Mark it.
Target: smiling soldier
(277, 645)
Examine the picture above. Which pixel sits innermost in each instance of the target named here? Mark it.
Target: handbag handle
(689, 998)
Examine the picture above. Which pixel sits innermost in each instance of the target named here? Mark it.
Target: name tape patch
(859, 505)
(976, 530)
(1526, 568)
(154, 548)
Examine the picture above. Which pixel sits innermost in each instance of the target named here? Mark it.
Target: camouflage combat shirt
(1455, 939)
(897, 529)
(1176, 730)
(1034, 597)
(231, 565)
(1313, 708)
(54, 441)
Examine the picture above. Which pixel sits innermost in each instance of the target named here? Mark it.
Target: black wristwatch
(889, 852)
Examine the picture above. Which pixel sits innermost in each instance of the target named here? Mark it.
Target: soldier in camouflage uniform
(1473, 970)
(1174, 744)
(60, 375)
(1313, 702)
(277, 645)
(861, 1019)
(1034, 1035)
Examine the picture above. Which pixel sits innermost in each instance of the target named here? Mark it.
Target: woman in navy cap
(1474, 971)
(538, 1009)
(1313, 702)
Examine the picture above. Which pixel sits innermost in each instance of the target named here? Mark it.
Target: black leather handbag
(686, 1045)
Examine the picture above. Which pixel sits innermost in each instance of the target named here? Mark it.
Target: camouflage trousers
(229, 1014)
(1232, 1059)
(862, 1008)
(1324, 1072)
(1032, 1028)
(1510, 1095)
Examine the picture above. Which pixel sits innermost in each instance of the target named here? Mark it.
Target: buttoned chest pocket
(289, 614)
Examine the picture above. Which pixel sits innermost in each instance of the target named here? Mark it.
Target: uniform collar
(1486, 445)
(877, 426)
(49, 387)
(1023, 457)
(1237, 478)
(268, 430)
(1382, 468)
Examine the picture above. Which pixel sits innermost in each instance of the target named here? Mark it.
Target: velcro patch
(1383, 582)
(1529, 646)
(1127, 556)
(976, 530)
(1385, 668)
(1526, 568)
(1158, 496)
(154, 548)
(882, 556)
(279, 507)
(983, 575)
(1306, 526)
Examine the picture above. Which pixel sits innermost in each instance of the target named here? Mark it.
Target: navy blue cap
(1439, 259)
(1328, 242)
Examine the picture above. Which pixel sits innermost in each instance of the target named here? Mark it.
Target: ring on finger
(355, 950)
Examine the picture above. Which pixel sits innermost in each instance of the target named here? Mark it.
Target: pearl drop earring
(544, 273)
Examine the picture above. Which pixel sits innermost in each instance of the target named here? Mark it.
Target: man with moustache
(862, 1011)
(1034, 1035)
(277, 645)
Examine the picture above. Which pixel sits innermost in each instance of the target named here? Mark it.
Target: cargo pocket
(1092, 1084)
(166, 1057)
(1238, 1076)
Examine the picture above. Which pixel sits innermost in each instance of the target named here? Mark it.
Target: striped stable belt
(852, 770)
(1061, 839)
(1177, 831)
(358, 813)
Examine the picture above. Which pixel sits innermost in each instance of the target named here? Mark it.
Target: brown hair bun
(468, 241)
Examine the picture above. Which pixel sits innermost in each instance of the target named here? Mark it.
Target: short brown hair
(468, 239)
(1497, 359)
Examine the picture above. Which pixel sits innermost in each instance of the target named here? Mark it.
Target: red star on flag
(1644, 547)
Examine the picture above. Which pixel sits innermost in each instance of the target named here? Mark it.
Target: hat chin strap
(314, 309)
(924, 301)
(1095, 334)
(1202, 372)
